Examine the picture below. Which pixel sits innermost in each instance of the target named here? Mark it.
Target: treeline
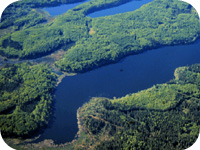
(159, 23)
(22, 13)
(44, 39)
(26, 97)
(143, 120)
(46, 3)
(156, 24)
(36, 42)
(19, 17)
(96, 5)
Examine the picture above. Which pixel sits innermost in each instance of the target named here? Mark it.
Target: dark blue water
(139, 72)
(130, 6)
(58, 10)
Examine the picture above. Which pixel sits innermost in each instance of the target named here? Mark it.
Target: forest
(112, 37)
(165, 116)
(18, 14)
(26, 97)
(32, 33)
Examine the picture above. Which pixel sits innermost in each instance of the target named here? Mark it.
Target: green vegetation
(26, 98)
(24, 18)
(159, 23)
(26, 15)
(165, 116)
(98, 41)
(33, 40)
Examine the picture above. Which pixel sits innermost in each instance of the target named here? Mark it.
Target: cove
(131, 74)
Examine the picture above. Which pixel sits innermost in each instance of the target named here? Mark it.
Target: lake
(139, 72)
(131, 74)
(59, 10)
(130, 6)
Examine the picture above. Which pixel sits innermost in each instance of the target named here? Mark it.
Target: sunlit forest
(26, 98)
(112, 37)
(165, 116)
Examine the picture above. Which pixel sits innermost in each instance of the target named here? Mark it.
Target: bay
(131, 74)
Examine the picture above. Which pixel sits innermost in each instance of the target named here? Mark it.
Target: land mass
(155, 24)
(165, 116)
(26, 98)
(166, 113)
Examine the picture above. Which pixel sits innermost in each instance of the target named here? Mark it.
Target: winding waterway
(131, 74)
(139, 72)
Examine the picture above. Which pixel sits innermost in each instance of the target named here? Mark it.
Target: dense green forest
(161, 22)
(23, 14)
(32, 35)
(165, 116)
(98, 41)
(26, 97)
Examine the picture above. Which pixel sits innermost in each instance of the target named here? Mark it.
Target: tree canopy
(165, 116)
(26, 97)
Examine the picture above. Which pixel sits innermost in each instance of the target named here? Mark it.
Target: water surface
(131, 74)
(127, 7)
(59, 10)
(139, 72)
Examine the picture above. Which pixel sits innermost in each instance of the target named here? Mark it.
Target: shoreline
(47, 143)
(132, 53)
